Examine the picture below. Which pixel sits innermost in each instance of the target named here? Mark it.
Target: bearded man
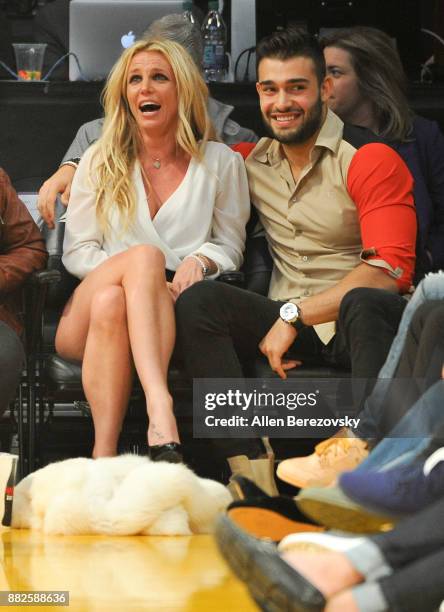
(337, 208)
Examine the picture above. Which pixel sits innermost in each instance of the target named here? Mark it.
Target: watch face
(289, 311)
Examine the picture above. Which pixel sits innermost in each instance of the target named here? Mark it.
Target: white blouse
(206, 214)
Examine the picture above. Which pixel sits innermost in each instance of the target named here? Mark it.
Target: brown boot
(341, 453)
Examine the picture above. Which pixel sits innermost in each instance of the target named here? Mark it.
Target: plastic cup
(29, 60)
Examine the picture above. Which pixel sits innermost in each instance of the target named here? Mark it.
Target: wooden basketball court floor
(184, 574)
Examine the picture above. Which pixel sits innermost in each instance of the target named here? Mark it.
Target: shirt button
(294, 200)
(305, 258)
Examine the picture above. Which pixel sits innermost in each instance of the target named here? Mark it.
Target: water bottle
(187, 8)
(214, 34)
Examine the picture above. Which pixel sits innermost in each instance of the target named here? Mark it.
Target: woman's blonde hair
(117, 149)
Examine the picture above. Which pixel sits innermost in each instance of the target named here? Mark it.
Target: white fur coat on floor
(123, 495)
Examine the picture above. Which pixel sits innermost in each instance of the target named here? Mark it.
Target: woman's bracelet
(208, 266)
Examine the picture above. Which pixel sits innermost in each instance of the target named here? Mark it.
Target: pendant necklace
(157, 161)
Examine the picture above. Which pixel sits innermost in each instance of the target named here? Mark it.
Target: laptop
(99, 30)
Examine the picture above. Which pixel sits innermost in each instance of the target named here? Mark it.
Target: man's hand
(189, 272)
(276, 343)
(59, 182)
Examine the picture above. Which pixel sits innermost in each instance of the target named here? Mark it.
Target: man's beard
(304, 132)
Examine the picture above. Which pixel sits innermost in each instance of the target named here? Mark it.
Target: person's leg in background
(12, 358)
(400, 570)
(405, 427)
(420, 363)
(412, 434)
(430, 288)
(416, 548)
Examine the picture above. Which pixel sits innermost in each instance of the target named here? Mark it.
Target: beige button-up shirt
(312, 224)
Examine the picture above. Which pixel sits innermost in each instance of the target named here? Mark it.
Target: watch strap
(298, 324)
(74, 162)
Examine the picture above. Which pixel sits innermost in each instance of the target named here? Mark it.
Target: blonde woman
(156, 205)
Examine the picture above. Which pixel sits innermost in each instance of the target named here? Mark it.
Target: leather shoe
(170, 452)
(272, 582)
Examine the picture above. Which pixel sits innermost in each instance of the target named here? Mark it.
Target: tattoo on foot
(157, 434)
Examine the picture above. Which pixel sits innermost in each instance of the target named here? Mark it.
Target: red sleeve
(381, 186)
(244, 148)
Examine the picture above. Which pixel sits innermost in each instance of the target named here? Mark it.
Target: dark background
(26, 20)
(39, 120)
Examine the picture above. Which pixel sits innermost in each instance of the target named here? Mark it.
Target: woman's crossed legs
(120, 316)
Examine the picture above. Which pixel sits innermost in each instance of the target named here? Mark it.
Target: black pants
(415, 550)
(420, 363)
(369, 320)
(219, 327)
(11, 364)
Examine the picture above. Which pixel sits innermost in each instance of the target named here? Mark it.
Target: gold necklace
(157, 161)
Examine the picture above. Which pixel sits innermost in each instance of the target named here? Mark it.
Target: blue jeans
(430, 288)
(412, 434)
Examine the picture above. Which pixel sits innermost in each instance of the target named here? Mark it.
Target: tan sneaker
(331, 458)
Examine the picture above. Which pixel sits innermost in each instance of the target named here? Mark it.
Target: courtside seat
(59, 380)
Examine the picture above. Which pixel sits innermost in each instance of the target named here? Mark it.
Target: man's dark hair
(294, 42)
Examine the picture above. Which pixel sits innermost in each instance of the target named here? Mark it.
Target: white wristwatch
(290, 313)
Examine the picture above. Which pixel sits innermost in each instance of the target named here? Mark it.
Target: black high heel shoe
(170, 452)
